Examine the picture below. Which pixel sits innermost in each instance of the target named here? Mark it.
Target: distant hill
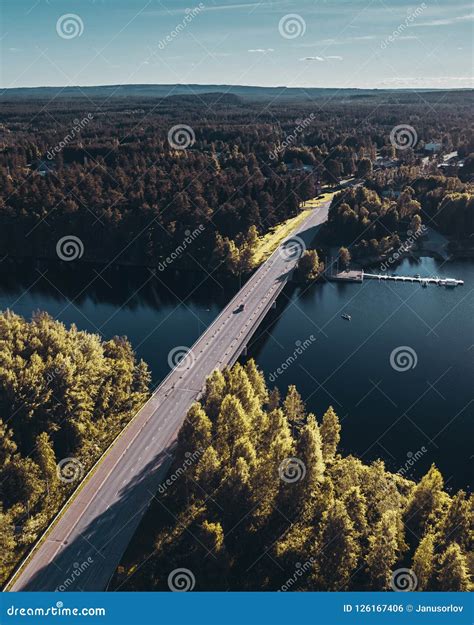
(240, 91)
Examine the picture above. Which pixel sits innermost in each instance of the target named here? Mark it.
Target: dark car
(239, 308)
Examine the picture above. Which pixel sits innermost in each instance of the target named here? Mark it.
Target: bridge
(94, 528)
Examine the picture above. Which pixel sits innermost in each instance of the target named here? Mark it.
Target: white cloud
(339, 41)
(321, 59)
(448, 21)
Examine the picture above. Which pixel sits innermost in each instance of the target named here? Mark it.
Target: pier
(360, 275)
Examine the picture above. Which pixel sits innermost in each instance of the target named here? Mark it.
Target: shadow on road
(89, 560)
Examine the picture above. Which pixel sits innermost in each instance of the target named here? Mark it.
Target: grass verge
(269, 242)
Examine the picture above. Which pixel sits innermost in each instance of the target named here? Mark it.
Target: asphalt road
(83, 549)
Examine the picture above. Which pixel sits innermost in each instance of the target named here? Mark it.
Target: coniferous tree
(273, 399)
(330, 434)
(453, 575)
(46, 459)
(294, 408)
(337, 550)
(383, 551)
(423, 562)
(425, 502)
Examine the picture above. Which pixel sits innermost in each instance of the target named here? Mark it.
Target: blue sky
(324, 43)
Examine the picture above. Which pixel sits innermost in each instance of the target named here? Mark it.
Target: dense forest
(261, 498)
(114, 174)
(64, 395)
(389, 208)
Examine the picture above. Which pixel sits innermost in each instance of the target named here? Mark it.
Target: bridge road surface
(96, 527)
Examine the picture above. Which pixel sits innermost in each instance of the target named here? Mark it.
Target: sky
(309, 43)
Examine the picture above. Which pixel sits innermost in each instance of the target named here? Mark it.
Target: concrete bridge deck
(99, 522)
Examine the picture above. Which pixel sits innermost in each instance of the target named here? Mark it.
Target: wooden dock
(359, 276)
(421, 280)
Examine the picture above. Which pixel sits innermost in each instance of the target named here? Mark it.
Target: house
(433, 148)
(43, 167)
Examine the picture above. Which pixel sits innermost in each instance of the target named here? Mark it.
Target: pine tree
(330, 434)
(277, 445)
(239, 385)
(273, 399)
(207, 470)
(141, 379)
(383, 551)
(232, 423)
(309, 450)
(425, 502)
(337, 550)
(294, 407)
(196, 432)
(22, 483)
(456, 526)
(7, 444)
(214, 393)
(257, 380)
(308, 467)
(356, 506)
(46, 459)
(423, 562)
(7, 543)
(453, 575)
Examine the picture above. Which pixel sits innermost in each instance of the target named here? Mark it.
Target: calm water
(155, 316)
(385, 413)
(396, 415)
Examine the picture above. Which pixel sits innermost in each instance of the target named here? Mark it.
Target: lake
(399, 374)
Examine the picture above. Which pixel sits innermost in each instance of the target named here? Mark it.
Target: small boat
(417, 275)
(346, 317)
